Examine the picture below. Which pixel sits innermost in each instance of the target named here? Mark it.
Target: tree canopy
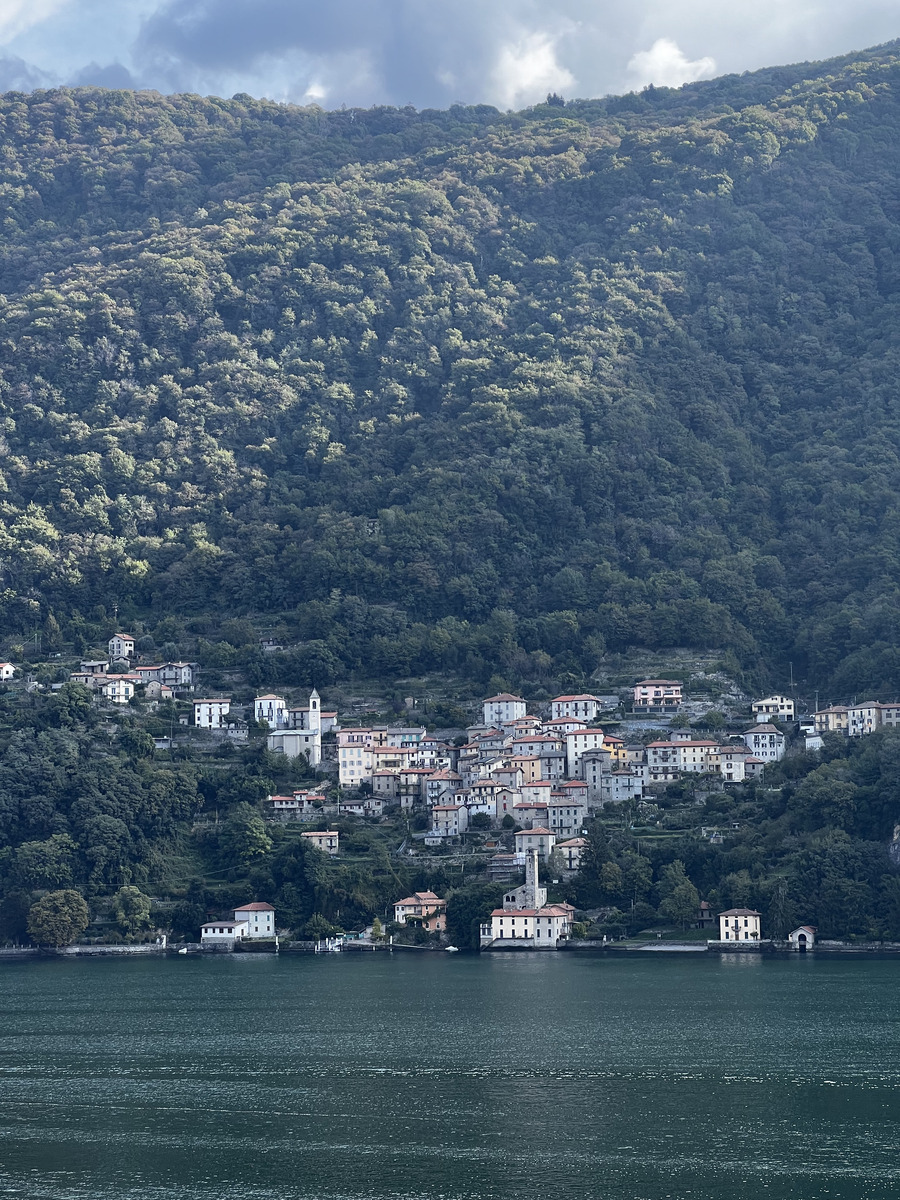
(443, 388)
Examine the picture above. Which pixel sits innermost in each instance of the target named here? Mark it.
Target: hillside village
(514, 795)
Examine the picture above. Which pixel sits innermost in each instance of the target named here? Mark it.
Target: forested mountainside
(463, 390)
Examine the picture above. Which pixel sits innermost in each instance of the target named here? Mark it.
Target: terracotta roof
(740, 912)
(503, 696)
(256, 906)
(562, 699)
(537, 829)
(549, 910)
(419, 898)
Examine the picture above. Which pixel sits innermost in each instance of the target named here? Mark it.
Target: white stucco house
(7, 670)
(222, 934)
(765, 741)
(585, 707)
(739, 925)
(118, 689)
(503, 709)
(211, 714)
(782, 708)
(121, 645)
(259, 919)
(271, 709)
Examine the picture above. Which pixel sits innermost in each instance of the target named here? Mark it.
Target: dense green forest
(462, 391)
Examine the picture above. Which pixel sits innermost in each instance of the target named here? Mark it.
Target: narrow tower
(315, 712)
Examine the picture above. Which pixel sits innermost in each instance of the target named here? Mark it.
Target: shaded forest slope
(459, 389)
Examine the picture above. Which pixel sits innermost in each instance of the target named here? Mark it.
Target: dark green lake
(444, 1077)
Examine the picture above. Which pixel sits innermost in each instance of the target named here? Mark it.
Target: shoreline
(765, 950)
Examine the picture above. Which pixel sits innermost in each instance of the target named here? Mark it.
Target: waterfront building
(422, 908)
(739, 925)
(259, 919)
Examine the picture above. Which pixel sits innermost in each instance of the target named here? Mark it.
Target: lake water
(445, 1077)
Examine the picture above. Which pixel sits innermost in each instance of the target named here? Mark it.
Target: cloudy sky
(425, 52)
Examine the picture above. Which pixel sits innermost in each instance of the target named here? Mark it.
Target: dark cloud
(361, 51)
(428, 52)
(16, 75)
(114, 75)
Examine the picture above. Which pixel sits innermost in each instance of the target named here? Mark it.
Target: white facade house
(543, 927)
(271, 709)
(539, 838)
(503, 709)
(585, 707)
(578, 743)
(863, 718)
(781, 708)
(259, 919)
(728, 762)
(328, 840)
(765, 741)
(118, 689)
(7, 670)
(739, 925)
(121, 645)
(211, 714)
(222, 935)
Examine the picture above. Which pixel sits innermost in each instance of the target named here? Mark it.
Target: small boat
(452, 949)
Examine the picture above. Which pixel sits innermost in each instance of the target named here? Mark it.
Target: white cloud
(526, 70)
(666, 65)
(18, 15)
